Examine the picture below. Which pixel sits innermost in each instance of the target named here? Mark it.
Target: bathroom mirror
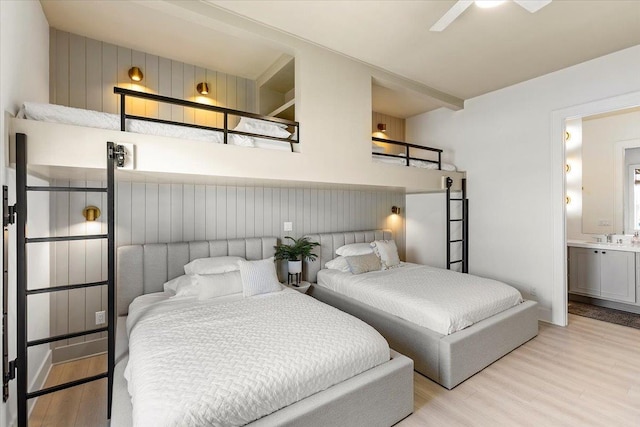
(610, 145)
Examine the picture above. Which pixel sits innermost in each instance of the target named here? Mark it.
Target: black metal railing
(226, 112)
(407, 154)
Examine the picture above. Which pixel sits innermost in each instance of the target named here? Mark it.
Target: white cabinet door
(584, 271)
(618, 275)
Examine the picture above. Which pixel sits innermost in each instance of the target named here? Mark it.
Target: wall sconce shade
(203, 88)
(395, 210)
(91, 213)
(135, 74)
(382, 127)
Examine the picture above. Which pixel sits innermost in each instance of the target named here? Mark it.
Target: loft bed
(406, 159)
(446, 358)
(252, 130)
(383, 394)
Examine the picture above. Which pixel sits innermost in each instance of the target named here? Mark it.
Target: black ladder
(115, 157)
(464, 220)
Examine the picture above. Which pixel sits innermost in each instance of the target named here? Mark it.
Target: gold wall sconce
(395, 210)
(567, 168)
(568, 199)
(567, 136)
(203, 88)
(91, 213)
(382, 127)
(135, 74)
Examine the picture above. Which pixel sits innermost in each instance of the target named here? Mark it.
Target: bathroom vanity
(605, 274)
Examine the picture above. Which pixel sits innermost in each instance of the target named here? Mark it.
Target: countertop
(626, 247)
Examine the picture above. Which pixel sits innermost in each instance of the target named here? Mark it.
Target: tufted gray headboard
(329, 242)
(142, 269)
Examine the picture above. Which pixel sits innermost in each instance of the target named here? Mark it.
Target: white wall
(504, 141)
(24, 74)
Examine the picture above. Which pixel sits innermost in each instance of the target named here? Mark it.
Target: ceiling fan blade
(455, 11)
(532, 5)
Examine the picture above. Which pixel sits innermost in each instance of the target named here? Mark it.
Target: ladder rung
(456, 200)
(456, 241)
(66, 385)
(452, 220)
(66, 336)
(66, 238)
(455, 262)
(65, 287)
(69, 189)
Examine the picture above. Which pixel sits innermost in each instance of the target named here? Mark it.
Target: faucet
(609, 237)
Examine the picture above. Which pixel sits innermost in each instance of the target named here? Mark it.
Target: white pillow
(213, 265)
(259, 277)
(387, 251)
(218, 285)
(182, 286)
(338, 263)
(354, 249)
(263, 127)
(242, 140)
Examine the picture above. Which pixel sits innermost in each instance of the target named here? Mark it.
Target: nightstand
(303, 288)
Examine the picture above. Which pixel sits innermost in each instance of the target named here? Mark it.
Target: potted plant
(295, 252)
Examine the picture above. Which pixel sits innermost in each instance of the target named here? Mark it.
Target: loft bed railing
(407, 146)
(226, 112)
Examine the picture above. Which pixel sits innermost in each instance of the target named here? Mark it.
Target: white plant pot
(295, 267)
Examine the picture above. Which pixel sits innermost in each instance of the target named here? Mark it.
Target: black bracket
(449, 182)
(8, 212)
(118, 153)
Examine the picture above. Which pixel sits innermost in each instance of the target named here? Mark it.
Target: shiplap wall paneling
(77, 262)
(395, 130)
(83, 72)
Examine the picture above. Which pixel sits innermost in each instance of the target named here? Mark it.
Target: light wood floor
(587, 374)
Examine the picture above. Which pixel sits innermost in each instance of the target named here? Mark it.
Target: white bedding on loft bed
(231, 360)
(52, 113)
(402, 161)
(441, 300)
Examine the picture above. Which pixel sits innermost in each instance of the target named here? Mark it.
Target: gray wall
(159, 213)
(84, 71)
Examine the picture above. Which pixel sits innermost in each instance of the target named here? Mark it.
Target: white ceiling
(483, 50)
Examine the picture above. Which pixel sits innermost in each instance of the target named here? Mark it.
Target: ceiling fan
(462, 5)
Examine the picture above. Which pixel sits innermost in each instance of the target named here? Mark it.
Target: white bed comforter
(231, 362)
(441, 300)
(52, 113)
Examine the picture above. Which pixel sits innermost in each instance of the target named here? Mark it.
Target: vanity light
(567, 136)
(203, 88)
(135, 74)
(91, 213)
(395, 210)
(382, 127)
(568, 199)
(567, 167)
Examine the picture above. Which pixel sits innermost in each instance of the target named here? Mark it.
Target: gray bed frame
(446, 359)
(381, 396)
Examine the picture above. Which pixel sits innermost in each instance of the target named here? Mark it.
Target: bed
(382, 391)
(385, 151)
(255, 133)
(448, 353)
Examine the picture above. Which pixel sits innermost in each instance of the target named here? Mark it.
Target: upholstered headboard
(142, 269)
(329, 242)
